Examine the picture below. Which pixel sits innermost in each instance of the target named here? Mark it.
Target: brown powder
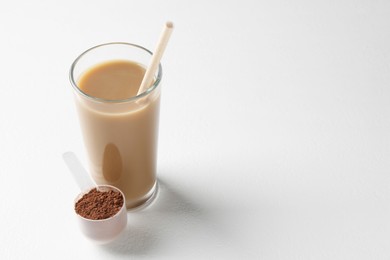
(98, 204)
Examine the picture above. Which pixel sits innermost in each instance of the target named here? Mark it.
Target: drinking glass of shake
(119, 121)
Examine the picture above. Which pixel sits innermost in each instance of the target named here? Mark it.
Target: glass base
(145, 201)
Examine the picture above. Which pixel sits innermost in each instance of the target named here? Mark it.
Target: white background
(274, 134)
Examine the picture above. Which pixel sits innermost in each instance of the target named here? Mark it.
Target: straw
(156, 57)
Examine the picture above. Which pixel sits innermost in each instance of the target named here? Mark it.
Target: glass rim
(103, 100)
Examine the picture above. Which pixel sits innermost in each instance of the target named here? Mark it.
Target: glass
(120, 136)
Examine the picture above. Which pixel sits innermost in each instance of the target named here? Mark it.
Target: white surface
(274, 135)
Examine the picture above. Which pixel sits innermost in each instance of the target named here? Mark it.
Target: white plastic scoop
(100, 231)
(79, 174)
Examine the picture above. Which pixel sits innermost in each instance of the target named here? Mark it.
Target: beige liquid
(121, 139)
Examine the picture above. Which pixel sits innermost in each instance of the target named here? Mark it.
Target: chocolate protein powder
(99, 204)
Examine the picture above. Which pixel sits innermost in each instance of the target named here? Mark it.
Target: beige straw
(156, 57)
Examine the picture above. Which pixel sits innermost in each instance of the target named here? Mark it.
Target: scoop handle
(80, 175)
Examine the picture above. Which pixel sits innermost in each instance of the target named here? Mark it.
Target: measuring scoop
(103, 230)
